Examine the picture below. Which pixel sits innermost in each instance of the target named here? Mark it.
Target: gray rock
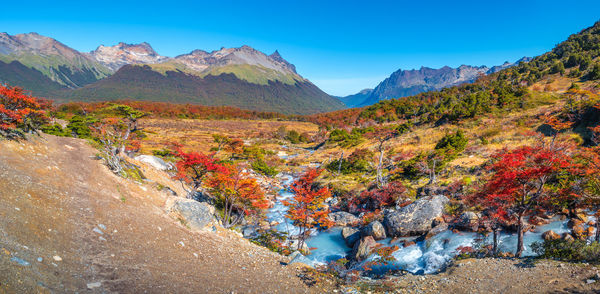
(416, 218)
(550, 235)
(375, 229)
(343, 219)
(436, 230)
(196, 215)
(294, 245)
(468, 220)
(363, 248)
(154, 161)
(350, 235)
(298, 259)
(93, 285)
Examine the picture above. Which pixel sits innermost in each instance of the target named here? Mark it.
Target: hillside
(574, 61)
(70, 225)
(143, 83)
(58, 62)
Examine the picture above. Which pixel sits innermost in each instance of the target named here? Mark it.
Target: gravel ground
(69, 225)
(491, 275)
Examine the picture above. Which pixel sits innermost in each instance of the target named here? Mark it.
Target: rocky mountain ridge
(403, 83)
(114, 57)
(52, 57)
(242, 77)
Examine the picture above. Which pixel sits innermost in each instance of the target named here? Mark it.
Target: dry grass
(197, 134)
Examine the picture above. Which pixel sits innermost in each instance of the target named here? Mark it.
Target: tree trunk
(495, 248)
(340, 163)
(520, 245)
(598, 228)
(432, 177)
(380, 167)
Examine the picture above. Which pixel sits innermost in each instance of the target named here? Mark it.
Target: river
(424, 257)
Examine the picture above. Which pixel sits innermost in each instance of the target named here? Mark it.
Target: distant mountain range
(403, 83)
(241, 77)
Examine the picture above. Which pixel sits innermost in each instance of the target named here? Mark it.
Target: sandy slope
(95, 232)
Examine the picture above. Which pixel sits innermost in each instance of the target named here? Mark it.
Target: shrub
(577, 250)
(595, 72)
(263, 168)
(56, 130)
(273, 240)
(293, 137)
(357, 162)
(345, 139)
(452, 143)
(20, 113)
(163, 153)
(79, 127)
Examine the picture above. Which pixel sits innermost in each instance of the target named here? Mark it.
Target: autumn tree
(238, 194)
(110, 133)
(235, 147)
(588, 184)
(128, 117)
(378, 198)
(193, 167)
(522, 182)
(557, 126)
(308, 210)
(115, 127)
(20, 113)
(382, 136)
(494, 214)
(221, 141)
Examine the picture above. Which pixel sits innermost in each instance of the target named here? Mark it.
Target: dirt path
(490, 275)
(69, 225)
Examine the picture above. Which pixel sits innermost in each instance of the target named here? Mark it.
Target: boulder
(574, 222)
(154, 161)
(350, 235)
(468, 220)
(590, 231)
(537, 220)
(550, 235)
(375, 229)
(294, 245)
(196, 215)
(343, 219)
(416, 218)
(582, 217)
(436, 230)
(408, 243)
(298, 259)
(363, 248)
(567, 237)
(579, 232)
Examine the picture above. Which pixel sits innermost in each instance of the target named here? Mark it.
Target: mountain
(357, 99)
(121, 54)
(505, 65)
(60, 63)
(403, 83)
(242, 77)
(142, 82)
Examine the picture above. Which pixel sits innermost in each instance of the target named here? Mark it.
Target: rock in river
(343, 219)
(374, 229)
(350, 235)
(416, 218)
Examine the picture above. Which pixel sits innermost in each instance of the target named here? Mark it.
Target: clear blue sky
(342, 46)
